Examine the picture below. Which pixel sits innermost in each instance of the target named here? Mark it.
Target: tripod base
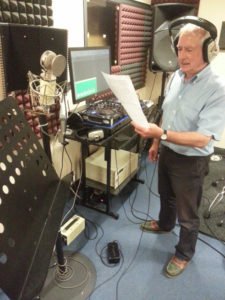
(77, 284)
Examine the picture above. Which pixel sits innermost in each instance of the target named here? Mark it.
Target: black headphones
(209, 48)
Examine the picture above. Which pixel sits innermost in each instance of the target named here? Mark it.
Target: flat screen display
(85, 67)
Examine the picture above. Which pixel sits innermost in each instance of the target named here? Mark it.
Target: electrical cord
(133, 210)
(207, 225)
(86, 233)
(153, 85)
(71, 188)
(111, 277)
(150, 191)
(139, 242)
(205, 242)
(147, 215)
(102, 255)
(96, 227)
(129, 265)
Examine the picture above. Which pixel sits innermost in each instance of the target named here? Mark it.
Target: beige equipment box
(123, 165)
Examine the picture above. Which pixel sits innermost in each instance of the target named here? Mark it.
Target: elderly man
(192, 119)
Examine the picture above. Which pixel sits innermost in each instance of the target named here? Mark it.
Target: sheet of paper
(122, 87)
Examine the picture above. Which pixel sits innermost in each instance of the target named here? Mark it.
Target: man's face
(190, 55)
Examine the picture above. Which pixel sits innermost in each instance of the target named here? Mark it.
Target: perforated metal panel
(31, 206)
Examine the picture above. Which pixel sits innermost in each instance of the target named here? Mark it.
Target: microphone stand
(66, 284)
(63, 276)
(47, 148)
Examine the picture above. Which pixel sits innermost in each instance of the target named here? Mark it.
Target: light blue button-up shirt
(197, 105)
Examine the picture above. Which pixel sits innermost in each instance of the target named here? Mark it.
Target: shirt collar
(197, 76)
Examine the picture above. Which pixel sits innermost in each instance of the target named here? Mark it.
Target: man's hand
(153, 152)
(153, 131)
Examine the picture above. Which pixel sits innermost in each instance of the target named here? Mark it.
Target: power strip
(72, 228)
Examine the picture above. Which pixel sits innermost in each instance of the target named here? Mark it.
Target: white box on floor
(123, 164)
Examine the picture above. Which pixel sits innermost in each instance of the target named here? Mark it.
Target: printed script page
(122, 87)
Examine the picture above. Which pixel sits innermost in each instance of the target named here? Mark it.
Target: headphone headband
(205, 24)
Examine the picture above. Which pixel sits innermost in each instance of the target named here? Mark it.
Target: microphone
(47, 91)
(53, 66)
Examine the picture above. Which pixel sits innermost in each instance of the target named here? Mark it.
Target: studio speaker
(162, 57)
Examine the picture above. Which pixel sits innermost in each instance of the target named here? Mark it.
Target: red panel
(24, 102)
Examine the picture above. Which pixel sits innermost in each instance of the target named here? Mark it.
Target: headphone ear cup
(212, 50)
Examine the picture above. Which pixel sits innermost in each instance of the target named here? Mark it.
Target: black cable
(212, 247)
(70, 160)
(146, 214)
(101, 254)
(207, 225)
(153, 85)
(203, 241)
(86, 227)
(129, 265)
(139, 243)
(150, 193)
(111, 277)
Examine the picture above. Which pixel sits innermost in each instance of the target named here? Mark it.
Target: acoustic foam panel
(133, 41)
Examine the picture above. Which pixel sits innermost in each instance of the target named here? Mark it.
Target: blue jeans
(180, 187)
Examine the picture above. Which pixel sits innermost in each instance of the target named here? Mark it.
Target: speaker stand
(161, 97)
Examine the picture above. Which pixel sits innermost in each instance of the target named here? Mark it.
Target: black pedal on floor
(113, 253)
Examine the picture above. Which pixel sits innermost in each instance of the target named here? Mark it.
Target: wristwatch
(164, 135)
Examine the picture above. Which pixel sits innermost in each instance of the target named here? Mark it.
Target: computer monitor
(86, 65)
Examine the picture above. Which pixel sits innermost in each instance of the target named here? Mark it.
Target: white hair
(195, 30)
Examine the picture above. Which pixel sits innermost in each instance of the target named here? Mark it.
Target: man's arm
(191, 139)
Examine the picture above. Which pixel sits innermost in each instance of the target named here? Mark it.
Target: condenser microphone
(53, 66)
(47, 90)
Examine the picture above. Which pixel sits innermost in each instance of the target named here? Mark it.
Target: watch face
(163, 137)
